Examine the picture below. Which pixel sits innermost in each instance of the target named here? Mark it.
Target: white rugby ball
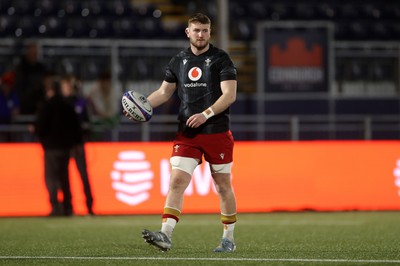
(137, 106)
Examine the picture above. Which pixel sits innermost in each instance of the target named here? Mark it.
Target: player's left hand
(196, 120)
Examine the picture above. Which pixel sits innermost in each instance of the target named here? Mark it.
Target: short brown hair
(199, 18)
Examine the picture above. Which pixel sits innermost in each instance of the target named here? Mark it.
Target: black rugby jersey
(198, 82)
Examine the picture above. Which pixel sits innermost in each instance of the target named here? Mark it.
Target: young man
(205, 78)
(58, 130)
(70, 91)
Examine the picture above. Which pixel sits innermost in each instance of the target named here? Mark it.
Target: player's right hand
(127, 115)
(196, 120)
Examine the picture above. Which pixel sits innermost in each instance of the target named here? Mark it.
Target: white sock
(228, 231)
(168, 226)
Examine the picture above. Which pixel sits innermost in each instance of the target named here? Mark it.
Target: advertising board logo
(201, 183)
(295, 62)
(132, 177)
(396, 173)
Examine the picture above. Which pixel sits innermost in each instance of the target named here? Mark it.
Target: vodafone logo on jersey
(132, 177)
(195, 73)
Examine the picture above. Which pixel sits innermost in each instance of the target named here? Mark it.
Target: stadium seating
(353, 20)
(77, 19)
(364, 85)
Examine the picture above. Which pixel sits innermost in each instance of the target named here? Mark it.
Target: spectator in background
(104, 100)
(9, 102)
(28, 80)
(59, 130)
(70, 90)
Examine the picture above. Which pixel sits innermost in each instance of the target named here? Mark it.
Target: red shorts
(216, 148)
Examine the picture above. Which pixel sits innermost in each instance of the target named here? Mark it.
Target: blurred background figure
(104, 100)
(70, 88)
(9, 103)
(28, 80)
(58, 130)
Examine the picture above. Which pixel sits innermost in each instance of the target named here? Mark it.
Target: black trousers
(56, 163)
(79, 154)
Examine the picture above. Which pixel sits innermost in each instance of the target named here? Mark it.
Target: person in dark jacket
(58, 130)
(70, 90)
(28, 79)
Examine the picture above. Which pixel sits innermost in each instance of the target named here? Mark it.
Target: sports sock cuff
(228, 218)
(171, 213)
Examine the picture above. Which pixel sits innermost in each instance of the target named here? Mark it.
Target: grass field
(303, 238)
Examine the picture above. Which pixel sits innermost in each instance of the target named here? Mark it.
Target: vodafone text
(195, 84)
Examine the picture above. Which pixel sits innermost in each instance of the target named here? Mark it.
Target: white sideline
(197, 259)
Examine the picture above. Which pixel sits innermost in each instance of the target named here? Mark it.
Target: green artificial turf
(301, 238)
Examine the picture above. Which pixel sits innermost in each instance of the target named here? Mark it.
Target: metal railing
(126, 58)
(244, 127)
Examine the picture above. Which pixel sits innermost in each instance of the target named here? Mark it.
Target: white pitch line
(197, 259)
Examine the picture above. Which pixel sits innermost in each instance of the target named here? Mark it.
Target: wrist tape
(208, 113)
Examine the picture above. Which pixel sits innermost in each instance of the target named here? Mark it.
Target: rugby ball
(137, 106)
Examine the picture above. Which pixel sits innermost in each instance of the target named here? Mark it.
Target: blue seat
(4, 6)
(27, 27)
(55, 27)
(125, 28)
(71, 7)
(119, 8)
(46, 7)
(326, 11)
(94, 8)
(348, 11)
(244, 29)
(100, 27)
(150, 28)
(304, 11)
(23, 7)
(238, 10)
(76, 27)
(8, 25)
(258, 10)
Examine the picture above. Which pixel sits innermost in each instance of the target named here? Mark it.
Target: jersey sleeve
(228, 69)
(170, 76)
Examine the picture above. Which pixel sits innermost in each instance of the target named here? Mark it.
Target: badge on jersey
(195, 73)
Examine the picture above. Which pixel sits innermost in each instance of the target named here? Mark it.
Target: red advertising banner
(132, 178)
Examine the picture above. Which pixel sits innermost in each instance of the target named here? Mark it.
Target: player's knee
(223, 189)
(178, 184)
(221, 168)
(183, 163)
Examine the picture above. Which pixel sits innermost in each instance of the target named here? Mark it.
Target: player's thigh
(183, 164)
(222, 182)
(180, 180)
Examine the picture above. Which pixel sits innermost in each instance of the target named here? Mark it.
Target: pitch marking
(197, 259)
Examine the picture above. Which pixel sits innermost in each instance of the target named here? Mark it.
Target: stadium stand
(365, 73)
(354, 20)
